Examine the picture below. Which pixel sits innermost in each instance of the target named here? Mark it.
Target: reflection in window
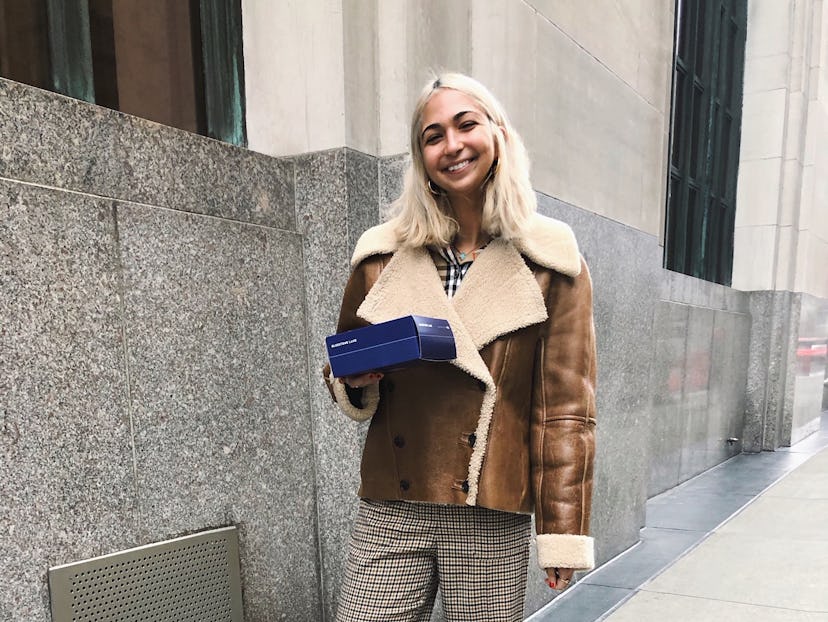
(706, 128)
(177, 62)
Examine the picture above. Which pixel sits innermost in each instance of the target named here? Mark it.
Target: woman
(458, 455)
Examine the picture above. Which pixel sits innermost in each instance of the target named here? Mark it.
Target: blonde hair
(421, 217)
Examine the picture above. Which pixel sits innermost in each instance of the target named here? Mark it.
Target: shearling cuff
(370, 399)
(566, 551)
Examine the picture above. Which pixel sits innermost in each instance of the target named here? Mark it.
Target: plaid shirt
(451, 267)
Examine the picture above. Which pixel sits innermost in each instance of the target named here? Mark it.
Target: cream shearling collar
(548, 242)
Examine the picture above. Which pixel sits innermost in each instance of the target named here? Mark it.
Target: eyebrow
(455, 118)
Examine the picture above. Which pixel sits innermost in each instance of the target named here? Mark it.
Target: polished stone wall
(811, 368)
(701, 333)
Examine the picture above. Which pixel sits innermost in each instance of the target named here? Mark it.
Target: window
(177, 62)
(706, 127)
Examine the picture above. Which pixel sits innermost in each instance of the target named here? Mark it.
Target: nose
(453, 142)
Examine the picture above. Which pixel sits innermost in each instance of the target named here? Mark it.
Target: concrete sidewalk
(747, 540)
(768, 563)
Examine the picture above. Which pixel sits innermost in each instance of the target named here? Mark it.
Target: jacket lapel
(410, 284)
(499, 295)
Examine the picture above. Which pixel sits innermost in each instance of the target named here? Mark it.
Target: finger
(559, 578)
(564, 578)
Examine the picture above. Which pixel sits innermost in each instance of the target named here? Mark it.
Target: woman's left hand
(559, 578)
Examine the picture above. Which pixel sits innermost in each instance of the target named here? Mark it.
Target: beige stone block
(599, 138)
(819, 32)
(816, 130)
(818, 208)
(654, 186)
(417, 39)
(817, 153)
(757, 192)
(802, 276)
(619, 35)
(763, 124)
(812, 259)
(797, 113)
(786, 256)
(655, 60)
(820, 52)
(504, 46)
(394, 105)
(768, 28)
(753, 252)
(766, 73)
(294, 76)
(360, 45)
(791, 197)
(800, 14)
(438, 39)
(806, 198)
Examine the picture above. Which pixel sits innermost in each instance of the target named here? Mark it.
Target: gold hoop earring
(491, 173)
(434, 188)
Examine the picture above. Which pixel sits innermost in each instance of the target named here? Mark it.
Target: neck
(469, 216)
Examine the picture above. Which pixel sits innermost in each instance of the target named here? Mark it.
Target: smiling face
(457, 144)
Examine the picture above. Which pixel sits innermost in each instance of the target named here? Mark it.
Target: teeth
(458, 166)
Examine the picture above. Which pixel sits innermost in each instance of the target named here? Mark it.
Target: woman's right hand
(362, 380)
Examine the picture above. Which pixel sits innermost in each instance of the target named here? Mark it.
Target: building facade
(165, 295)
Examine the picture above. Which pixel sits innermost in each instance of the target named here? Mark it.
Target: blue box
(390, 344)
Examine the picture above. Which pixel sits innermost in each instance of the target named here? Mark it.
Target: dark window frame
(708, 68)
(74, 50)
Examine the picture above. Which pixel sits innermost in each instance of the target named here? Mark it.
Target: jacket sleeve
(358, 404)
(562, 432)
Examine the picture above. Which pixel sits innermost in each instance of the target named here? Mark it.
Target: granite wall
(155, 349)
(165, 299)
(787, 368)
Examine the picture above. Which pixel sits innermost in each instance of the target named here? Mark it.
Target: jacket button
(481, 385)
(472, 439)
(465, 486)
(404, 485)
(399, 441)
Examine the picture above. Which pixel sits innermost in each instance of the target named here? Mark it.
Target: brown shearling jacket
(509, 424)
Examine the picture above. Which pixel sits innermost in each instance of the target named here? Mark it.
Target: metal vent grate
(189, 579)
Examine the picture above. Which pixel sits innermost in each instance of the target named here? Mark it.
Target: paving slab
(810, 481)
(650, 607)
(782, 518)
(750, 569)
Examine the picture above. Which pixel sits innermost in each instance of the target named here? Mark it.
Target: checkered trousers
(400, 553)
